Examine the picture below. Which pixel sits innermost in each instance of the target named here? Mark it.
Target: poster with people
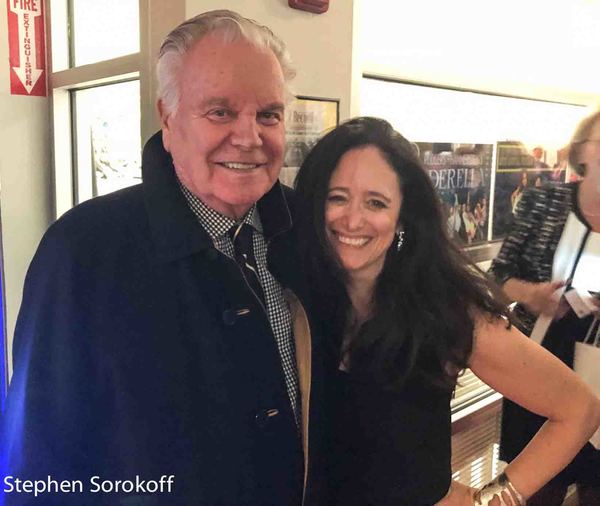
(516, 169)
(461, 174)
(306, 120)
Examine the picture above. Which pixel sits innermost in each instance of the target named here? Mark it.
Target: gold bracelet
(495, 488)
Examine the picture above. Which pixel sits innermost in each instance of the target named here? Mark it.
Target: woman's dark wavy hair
(426, 294)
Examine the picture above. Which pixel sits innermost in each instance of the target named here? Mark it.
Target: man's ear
(164, 124)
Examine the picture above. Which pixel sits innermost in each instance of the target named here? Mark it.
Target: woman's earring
(400, 239)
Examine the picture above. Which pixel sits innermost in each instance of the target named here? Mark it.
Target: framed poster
(307, 119)
(518, 168)
(461, 174)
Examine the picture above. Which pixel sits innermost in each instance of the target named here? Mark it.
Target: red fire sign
(27, 47)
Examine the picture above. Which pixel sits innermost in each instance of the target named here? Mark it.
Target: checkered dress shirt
(217, 226)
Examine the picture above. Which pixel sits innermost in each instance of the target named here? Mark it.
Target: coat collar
(175, 230)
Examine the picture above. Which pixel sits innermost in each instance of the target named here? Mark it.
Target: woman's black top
(389, 447)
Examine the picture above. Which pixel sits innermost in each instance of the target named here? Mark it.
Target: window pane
(104, 30)
(107, 123)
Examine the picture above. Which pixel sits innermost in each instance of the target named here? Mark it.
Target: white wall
(320, 44)
(534, 48)
(25, 179)
(428, 114)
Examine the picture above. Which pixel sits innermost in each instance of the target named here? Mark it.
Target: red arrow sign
(27, 46)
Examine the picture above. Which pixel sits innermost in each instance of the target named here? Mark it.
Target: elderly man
(161, 353)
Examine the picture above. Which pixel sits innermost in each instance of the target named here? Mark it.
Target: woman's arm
(532, 377)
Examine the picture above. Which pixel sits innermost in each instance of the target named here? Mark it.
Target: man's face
(227, 136)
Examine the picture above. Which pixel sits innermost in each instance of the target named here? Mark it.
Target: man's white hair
(227, 25)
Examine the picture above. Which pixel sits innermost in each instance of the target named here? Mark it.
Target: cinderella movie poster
(461, 174)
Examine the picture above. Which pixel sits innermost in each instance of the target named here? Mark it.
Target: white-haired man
(161, 339)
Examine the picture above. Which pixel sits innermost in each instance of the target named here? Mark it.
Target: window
(103, 91)
(107, 129)
(103, 30)
(96, 97)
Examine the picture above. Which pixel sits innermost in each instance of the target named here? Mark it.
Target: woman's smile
(362, 210)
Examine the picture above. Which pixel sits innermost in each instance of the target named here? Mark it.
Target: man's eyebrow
(212, 101)
(224, 102)
(274, 106)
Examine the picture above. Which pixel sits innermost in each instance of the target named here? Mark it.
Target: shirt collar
(215, 223)
(174, 229)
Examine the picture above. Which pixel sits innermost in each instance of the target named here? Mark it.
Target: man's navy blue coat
(131, 357)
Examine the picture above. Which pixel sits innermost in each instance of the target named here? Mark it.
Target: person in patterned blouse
(524, 269)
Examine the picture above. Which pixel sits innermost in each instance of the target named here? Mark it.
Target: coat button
(229, 316)
(264, 417)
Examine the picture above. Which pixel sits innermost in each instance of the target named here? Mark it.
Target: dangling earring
(400, 241)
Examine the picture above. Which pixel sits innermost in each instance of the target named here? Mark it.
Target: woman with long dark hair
(406, 312)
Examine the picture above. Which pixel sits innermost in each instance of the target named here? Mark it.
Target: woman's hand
(458, 495)
(532, 377)
(462, 495)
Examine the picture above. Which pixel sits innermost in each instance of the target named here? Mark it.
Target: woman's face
(589, 153)
(362, 210)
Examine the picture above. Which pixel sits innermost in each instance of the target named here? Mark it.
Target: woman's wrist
(500, 487)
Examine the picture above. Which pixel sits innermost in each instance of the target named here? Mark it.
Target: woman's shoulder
(549, 199)
(553, 191)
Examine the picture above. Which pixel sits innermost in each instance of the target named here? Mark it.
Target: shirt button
(264, 417)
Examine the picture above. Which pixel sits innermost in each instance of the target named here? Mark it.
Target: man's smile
(240, 165)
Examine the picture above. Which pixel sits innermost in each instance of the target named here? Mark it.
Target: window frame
(157, 18)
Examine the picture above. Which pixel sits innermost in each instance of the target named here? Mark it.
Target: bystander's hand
(540, 298)
(593, 303)
(596, 302)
